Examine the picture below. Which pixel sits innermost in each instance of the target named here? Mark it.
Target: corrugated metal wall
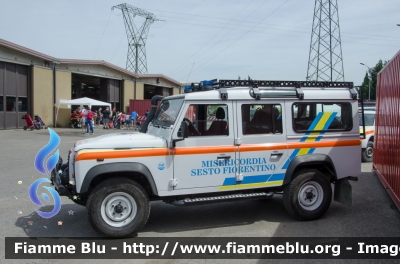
(386, 161)
(14, 98)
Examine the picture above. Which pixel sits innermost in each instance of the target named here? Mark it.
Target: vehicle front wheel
(118, 207)
(308, 195)
(368, 152)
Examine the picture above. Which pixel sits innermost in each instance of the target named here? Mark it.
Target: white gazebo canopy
(81, 101)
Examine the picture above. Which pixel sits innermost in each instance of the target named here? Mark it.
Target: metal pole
(370, 80)
(369, 89)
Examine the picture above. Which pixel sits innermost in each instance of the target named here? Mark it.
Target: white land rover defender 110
(221, 141)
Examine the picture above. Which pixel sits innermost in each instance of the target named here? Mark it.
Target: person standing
(114, 117)
(82, 115)
(123, 119)
(89, 121)
(147, 113)
(106, 118)
(98, 119)
(133, 118)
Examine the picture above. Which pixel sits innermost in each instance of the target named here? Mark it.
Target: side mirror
(184, 130)
(183, 133)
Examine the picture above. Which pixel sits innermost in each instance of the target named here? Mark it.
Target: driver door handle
(224, 157)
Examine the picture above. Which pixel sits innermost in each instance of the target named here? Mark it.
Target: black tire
(316, 190)
(25, 127)
(32, 128)
(368, 153)
(119, 195)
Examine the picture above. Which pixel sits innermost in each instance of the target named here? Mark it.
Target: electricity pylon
(325, 61)
(136, 59)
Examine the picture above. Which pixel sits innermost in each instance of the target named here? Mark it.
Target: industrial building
(33, 82)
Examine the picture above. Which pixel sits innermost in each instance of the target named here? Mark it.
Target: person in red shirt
(74, 119)
(123, 119)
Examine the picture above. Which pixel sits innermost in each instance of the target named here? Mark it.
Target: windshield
(369, 119)
(167, 112)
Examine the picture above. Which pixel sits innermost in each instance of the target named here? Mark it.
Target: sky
(206, 39)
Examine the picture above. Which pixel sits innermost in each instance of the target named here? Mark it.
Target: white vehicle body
(315, 132)
(368, 141)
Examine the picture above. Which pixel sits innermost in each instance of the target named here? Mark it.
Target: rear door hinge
(173, 182)
(238, 141)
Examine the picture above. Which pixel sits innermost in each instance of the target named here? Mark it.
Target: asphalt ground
(373, 213)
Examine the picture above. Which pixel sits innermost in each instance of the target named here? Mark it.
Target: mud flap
(342, 193)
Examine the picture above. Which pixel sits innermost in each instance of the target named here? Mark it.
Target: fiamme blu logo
(44, 167)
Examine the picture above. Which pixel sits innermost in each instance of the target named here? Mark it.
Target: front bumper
(56, 178)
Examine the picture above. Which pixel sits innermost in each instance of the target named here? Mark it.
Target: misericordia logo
(40, 167)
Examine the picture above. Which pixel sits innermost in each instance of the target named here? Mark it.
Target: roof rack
(268, 89)
(296, 84)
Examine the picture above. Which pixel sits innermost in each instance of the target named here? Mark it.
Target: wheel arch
(309, 161)
(133, 170)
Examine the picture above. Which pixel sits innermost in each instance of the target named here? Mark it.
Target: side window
(322, 117)
(207, 120)
(261, 119)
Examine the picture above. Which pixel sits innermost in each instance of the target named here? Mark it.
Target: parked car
(367, 144)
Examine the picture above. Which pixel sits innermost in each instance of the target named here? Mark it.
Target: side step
(224, 198)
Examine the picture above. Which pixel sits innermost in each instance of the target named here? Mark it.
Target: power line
(102, 35)
(241, 36)
(190, 73)
(303, 32)
(220, 18)
(233, 28)
(116, 48)
(182, 64)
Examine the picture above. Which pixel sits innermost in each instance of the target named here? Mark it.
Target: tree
(374, 73)
(364, 86)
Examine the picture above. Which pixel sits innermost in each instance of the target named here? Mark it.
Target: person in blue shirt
(133, 119)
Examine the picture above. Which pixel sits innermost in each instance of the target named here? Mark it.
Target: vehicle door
(263, 146)
(206, 159)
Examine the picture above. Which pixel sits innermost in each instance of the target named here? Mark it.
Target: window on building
(1, 103)
(11, 105)
(322, 117)
(261, 119)
(22, 104)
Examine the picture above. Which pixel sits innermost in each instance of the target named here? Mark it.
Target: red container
(140, 106)
(386, 162)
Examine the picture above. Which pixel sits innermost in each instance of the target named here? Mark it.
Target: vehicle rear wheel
(308, 195)
(368, 153)
(118, 207)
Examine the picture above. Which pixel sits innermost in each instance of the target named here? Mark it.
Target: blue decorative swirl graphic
(35, 199)
(45, 151)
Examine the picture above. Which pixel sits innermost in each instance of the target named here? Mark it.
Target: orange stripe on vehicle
(324, 144)
(370, 132)
(204, 150)
(136, 153)
(118, 154)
